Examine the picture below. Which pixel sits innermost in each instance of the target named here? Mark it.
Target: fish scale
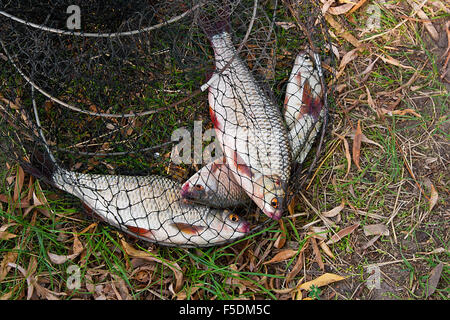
(250, 129)
(150, 207)
(212, 185)
(246, 105)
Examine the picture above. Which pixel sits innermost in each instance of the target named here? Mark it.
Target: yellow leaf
(321, 281)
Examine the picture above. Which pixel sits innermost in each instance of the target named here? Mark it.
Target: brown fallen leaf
(433, 198)
(422, 15)
(60, 259)
(326, 249)
(5, 235)
(342, 233)
(433, 280)
(321, 281)
(347, 153)
(343, 33)
(9, 257)
(356, 7)
(376, 229)
(356, 150)
(281, 239)
(298, 264)
(393, 61)
(317, 254)
(335, 211)
(338, 10)
(384, 111)
(282, 255)
(132, 252)
(20, 176)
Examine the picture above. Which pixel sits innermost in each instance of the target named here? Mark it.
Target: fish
(147, 207)
(215, 186)
(249, 128)
(303, 109)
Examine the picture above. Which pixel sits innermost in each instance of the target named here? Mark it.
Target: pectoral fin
(140, 231)
(188, 228)
(241, 166)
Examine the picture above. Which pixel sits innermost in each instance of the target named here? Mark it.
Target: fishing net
(108, 101)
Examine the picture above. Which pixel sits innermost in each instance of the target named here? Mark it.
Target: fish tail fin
(217, 21)
(41, 165)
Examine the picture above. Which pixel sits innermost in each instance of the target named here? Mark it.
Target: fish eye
(274, 203)
(233, 217)
(199, 187)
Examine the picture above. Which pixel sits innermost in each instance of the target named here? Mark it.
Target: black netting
(182, 123)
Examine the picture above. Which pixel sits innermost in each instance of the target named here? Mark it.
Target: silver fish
(212, 185)
(149, 207)
(250, 129)
(303, 106)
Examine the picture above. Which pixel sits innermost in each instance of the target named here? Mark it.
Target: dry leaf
(356, 7)
(344, 33)
(340, 9)
(357, 145)
(9, 257)
(282, 255)
(393, 61)
(370, 242)
(342, 233)
(132, 252)
(365, 139)
(317, 254)
(433, 280)
(5, 235)
(335, 211)
(376, 229)
(20, 176)
(347, 153)
(434, 197)
(298, 264)
(422, 15)
(321, 281)
(399, 112)
(60, 259)
(326, 249)
(281, 239)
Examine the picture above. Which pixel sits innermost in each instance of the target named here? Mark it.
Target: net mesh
(182, 123)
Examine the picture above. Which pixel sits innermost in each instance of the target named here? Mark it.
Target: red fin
(214, 119)
(241, 166)
(311, 106)
(140, 231)
(91, 212)
(188, 228)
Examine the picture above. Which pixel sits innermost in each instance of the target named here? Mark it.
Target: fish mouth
(184, 192)
(244, 227)
(274, 215)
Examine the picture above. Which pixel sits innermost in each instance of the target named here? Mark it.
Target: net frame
(36, 130)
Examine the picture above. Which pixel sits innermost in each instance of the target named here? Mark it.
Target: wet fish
(303, 109)
(303, 106)
(148, 207)
(214, 185)
(250, 129)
